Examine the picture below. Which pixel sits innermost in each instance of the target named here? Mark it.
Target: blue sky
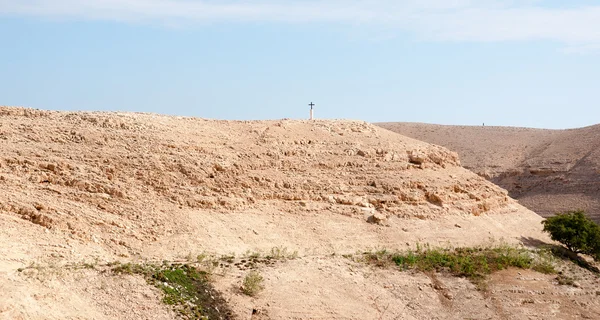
(531, 63)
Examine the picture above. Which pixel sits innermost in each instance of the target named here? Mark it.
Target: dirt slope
(83, 187)
(548, 171)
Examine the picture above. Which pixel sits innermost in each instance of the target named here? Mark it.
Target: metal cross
(311, 105)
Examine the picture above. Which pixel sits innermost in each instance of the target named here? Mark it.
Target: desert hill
(548, 171)
(85, 189)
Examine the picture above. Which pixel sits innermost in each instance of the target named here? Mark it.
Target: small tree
(576, 231)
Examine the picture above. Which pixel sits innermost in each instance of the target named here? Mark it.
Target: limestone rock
(377, 218)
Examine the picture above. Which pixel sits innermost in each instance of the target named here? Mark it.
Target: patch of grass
(472, 263)
(201, 257)
(276, 253)
(44, 271)
(253, 283)
(380, 258)
(133, 268)
(252, 254)
(544, 261)
(281, 253)
(228, 258)
(88, 265)
(185, 287)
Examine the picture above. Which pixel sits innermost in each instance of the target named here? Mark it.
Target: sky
(527, 63)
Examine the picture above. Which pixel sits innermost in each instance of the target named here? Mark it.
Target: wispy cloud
(576, 26)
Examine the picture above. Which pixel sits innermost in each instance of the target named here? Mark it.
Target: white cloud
(447, 20)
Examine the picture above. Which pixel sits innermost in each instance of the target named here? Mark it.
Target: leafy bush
(576, 231)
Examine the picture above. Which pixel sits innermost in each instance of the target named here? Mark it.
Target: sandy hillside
(548, 171)
(82, 189)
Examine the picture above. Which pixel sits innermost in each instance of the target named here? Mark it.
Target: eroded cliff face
(548, 171)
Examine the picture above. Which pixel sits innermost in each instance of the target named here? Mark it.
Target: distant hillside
(548, 171)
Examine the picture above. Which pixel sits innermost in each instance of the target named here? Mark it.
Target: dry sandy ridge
(548, 171)
(86, 186)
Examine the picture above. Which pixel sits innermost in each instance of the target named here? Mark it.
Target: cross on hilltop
(311, 110)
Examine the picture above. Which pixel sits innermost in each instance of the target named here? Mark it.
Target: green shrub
(576, 231)
(253, 283)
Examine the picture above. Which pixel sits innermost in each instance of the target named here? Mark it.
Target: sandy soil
(548, 171)
(101, 187)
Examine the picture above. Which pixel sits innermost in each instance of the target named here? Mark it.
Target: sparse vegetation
(565, 254)
(228, 258)
(44, 271)
(281, 253)
(276, 253)
(472, 263)
(576, 231)
(252, 254)
(253, 283)
(186, 284)
(185, 287)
